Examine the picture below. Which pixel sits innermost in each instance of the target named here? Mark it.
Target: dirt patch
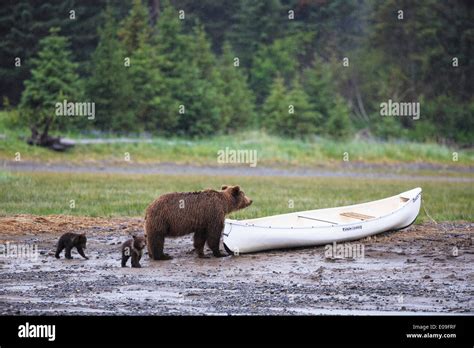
(423, 269)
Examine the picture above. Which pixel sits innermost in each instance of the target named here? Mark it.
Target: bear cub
(202, 213)
(133, 248)
(69, 241)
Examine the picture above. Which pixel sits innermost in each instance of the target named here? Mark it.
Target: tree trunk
(154, 6)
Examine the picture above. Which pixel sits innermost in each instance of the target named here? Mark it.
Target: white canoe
(322, 226)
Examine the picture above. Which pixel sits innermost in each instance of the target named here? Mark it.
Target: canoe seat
(357, 216)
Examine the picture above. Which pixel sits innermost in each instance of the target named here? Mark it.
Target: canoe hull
(245, 237)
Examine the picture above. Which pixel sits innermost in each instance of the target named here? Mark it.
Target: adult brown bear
(202, 213)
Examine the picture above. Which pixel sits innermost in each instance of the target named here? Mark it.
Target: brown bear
(72, 240)
(133, 248)
(202, 213)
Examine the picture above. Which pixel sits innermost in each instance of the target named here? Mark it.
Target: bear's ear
(223, 187)
(235, 190)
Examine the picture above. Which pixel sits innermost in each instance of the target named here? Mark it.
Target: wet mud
(425, 269)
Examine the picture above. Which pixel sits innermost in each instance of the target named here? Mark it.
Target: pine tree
(239, 107)
(135, 28)
(319, 86)
(174, 58)
(339, 124)
(201, 95)
(301, 119)
(144, 74)
(290, 113)
(321, 89)
(109, 85)
(255, 23)
(189, 74)
(147, 87)
(23, 23)
(275, 109)
(53, 79)
(270, 60)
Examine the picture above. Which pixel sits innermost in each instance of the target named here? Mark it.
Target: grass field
(126, 195)
(271, 150)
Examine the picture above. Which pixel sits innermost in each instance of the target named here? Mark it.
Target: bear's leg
(59, 249)
(124, 259)
(81, 252)
(68, 252)
(214, 239)
(136, 260)
(157, 243)
(199, 241)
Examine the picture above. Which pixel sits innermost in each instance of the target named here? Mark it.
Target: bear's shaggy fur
(69, 241)
(133, 248)
(202, 213)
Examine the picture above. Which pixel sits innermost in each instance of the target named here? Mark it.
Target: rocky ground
(421, 270)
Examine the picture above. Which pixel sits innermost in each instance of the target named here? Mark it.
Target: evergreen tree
(147, 87)
(319, 86)
(135, 27)
(339, 124)
(239, 106)
(270, 60)
(201, 95)
(325, 100)
(290, 114)
(174, 58)
(301, 119)
(109, 85)
(255, 23)
(190, 76)
(218, 17)
(53, 79)
(23, 23)
(144, 75)
(275, 109)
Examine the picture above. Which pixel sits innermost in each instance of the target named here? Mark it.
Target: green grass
(271, 150)
(127, 195)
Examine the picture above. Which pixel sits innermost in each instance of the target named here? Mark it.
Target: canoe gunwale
(242, 236)
(406, 204)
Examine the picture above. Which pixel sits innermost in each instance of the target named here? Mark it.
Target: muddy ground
(424, 269)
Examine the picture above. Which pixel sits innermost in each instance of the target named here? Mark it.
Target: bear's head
(80, 240)
(139, 242)
(237, 197)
